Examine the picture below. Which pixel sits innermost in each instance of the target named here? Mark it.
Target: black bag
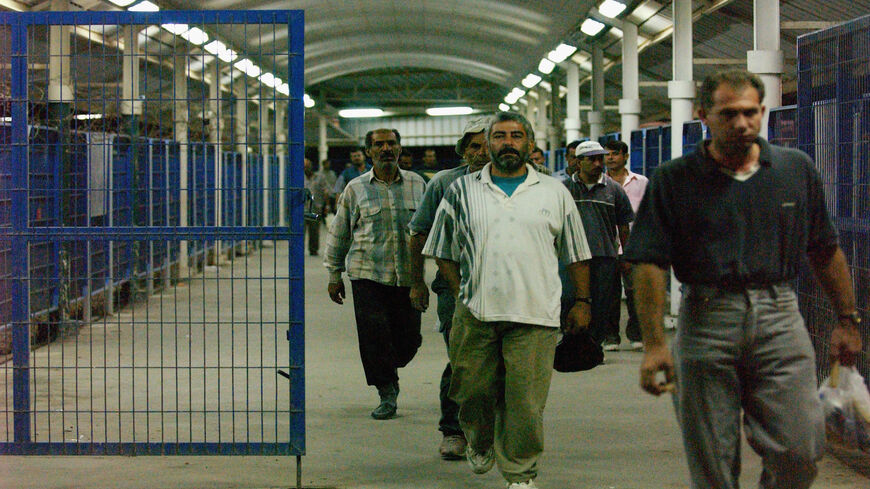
(577, 352)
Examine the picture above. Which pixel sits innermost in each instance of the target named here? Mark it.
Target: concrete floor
(601, 431)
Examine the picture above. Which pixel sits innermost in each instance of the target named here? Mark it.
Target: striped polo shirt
(508, 248)
(369, 235)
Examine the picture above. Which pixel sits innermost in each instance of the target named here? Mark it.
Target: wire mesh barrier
(833, 127)
(151, 206)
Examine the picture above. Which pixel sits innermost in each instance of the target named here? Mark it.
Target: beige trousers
(501, 379)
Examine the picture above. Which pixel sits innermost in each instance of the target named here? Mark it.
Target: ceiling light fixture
(176, 29)
(145, 6)
(268, 79)
(195, 36)
(221, 50)
(611, 8)
(307, 100)
(436, 111)
(88, 117)
(360, 113)
(248, 67)
(531, 80)
(591, 27)
(122, 3)
(561, 53)
(546, 66)
(504, 107)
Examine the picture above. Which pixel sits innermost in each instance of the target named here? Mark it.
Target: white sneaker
(637, 345)
(480, 462)
(523, 485)
(611, 347)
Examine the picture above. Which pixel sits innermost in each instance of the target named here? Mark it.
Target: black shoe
(387, 408)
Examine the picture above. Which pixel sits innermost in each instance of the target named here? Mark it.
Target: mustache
(506, 151)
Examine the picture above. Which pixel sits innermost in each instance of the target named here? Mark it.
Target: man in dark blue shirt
(734, 219)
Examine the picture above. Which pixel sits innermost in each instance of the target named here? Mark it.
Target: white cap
(590, 148)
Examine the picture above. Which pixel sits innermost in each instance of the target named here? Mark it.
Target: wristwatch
(587, 300)
(852, 316)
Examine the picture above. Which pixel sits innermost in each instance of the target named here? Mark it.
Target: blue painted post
(20, 292)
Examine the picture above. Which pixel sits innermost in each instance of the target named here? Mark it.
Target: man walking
(472, 147)
(734, 219)
(498, 237)
(356, 168)
(368, 239)
(606, 213)
(316, 183)
(634, 185)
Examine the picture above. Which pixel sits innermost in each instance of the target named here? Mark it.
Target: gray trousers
(747, 351)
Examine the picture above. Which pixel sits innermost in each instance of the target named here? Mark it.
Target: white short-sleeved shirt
(508, 248)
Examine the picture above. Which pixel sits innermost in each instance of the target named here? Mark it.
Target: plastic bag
(846, 403)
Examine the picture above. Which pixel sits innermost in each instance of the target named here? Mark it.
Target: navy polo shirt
(716, 230)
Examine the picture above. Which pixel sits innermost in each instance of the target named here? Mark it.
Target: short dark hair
(511, 116)
(573, 144)
(358, 150)
(383, 129)
(617, 146)
(734, 79)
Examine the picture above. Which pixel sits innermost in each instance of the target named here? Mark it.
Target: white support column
(240, 126)
(283, 150)
(596, 116)
(572, 102)
(130, 103)
(554, 130)
(59, 87)
(629, 104)
(541, 124)
(766, 59)
(181, 118)
(322, 142)
(214, 137)
(530, 108)
(263, 128)
(681, 91)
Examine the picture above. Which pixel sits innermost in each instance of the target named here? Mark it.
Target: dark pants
(449, 422)
(313, 230)
(604, 289)
(632, 327)
(388, 328)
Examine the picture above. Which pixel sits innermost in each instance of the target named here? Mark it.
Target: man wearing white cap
(473, 150)
(606, 212)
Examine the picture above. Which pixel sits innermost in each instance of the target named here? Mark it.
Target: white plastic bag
(846, 403)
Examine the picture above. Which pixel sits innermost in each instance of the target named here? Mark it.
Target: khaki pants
(501, 379)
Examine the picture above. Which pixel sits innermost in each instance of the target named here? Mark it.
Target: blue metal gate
(138, 315)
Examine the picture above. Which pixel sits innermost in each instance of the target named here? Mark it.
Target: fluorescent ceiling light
(561, 53)
(268, 79)
(5, 119)
(512, 98)
(354, 113)
(308, 101)
(503, 107)
(531, 80)
(195, 36)
(518, 92)
(546, 66)
(176, 29)
(248, 67)
(449, 111)
(145, 6)
(284, 89)
(591, 27)
(221, 50)
(88, 117)
(122, 3)
(611, 8)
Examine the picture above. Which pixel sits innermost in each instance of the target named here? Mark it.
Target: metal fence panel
(133, 320)
(833, 123)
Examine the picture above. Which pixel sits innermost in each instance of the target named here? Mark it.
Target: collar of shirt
(399, 177)
(485, 177)
(601, 180)
(703, 153)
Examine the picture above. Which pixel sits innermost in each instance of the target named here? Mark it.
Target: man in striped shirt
(369, 239)
(498, 237)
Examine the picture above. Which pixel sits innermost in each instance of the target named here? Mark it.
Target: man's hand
(657, 359)
(845, 343)
(578, 318)
(336, 291)
(419, 295)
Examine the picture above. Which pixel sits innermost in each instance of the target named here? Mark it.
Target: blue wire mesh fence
(833, 127)
(147, 299)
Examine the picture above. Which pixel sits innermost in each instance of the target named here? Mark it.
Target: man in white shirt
(498, 237)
